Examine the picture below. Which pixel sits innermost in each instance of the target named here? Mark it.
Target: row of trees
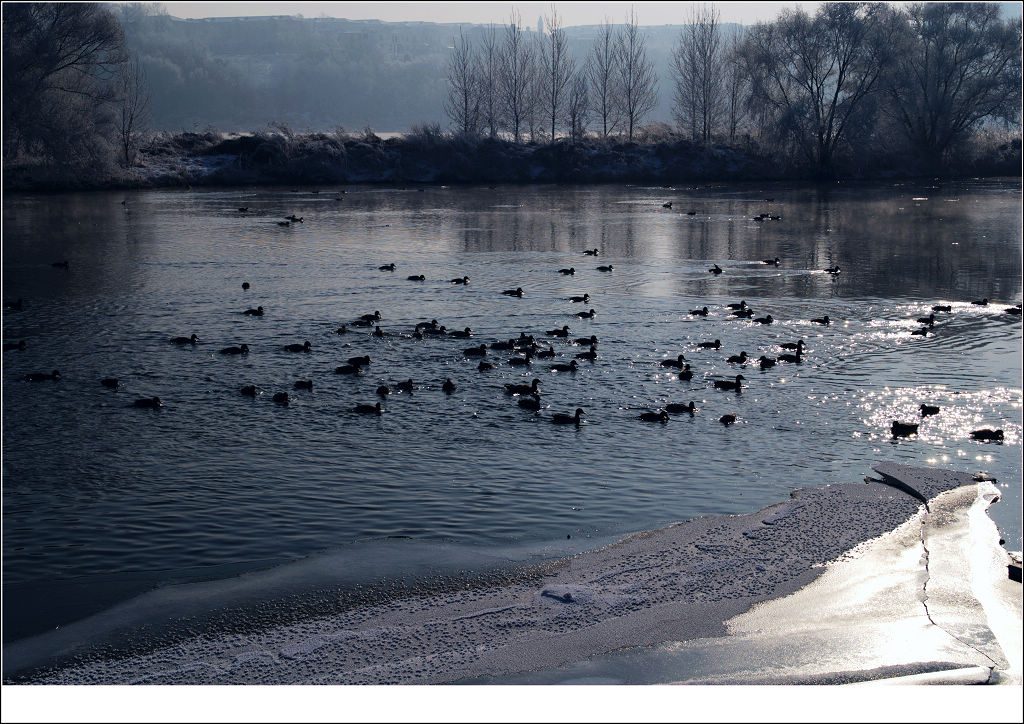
(816, 87)
(72, 96)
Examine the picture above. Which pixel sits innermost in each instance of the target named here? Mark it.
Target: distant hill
(241, 73)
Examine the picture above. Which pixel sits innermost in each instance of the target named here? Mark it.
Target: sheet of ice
(680, 584)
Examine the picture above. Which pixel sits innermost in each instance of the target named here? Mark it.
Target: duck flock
(535, 351)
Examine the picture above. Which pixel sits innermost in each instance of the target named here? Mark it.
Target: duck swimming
(765, 320)
(584, 298)
(986, 434)
(591, 355)
(383, 390)
(591, 252)
(304, 347)
(773, 262)
(463, 334)
(568, 272)
(675, 407)
(246, 285)
(42, 376)
(743, 313)
(520, 389)
(766, 362)
(531, 402)
(677, 362)
(343, 329)
(546, 353)
(738, 359)
(510, 344)
(258, 312)
(667, 205)
(715, 269)
(480, 351)
(151, 403)
(251, 391)
(742, 304)
(686, 374)
(700, 312)
(448, 387)
(799, 345)
(60, 264)
(717, 344)
(927, 410)
(571, 367)
(729, 384)
(281, 398)
(563, 332)
(378, 332)
(586, 341)
(659, 416)
(362, 361)
(833, 270)
(387, 267)
(606, 268)
(368, 409)
(485, 366)
(560, 418)
(110, 382)
(923, 332)
(903, 429)
(981, 302)
(517, 292)
(929, 320)
(463, 280)
(1013, 310)
(243, 349)
(586, 315)
(822, 320)
(348, 370)
(416, 278)
(406, 386)
(370, 317)
(522, 361)
(942, 308)
(432, 324)
(796, 358)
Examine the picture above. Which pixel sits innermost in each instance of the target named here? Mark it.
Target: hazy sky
(572, 13)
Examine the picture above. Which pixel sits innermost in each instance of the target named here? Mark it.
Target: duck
(406, 386)
(348, 370)
(416, 278)
(463, 280)
(432, 332)
(798, 345)
(485, 366)
(522, 361)
(251, 391)
(368, 409)
(822, 320)
(686, 374)
(517, 292)
(773, 262)
(370, 317)
(659, 416)
(480, 351)
(281, 398)
(304, 347)
(923, 332)
(742, 304)
(903, 429)
(563, 332)
(571, 367)
(9, 346)
(383, 390)
(929, 320)
(387, 267)
(42, 376)
(586, 315)
(591, 252)
(462, 334)
(546, 353)
(303, 385)
(606, 268)
(677, 362)
(294, 219)
(676, 407)
(727, 419)
(1013, 310)
(986, 434)
(60, 264)
(531, 402)
(743, 313)
(715, 269)
(343, 329)
(151, 403)
(691, 212)
(448, 387)
(833, 270)
(578, 299)
(980, 302)
(568, 272)
(667, 205)
(432, 324)
(586, 341)
(560, 418)
(510, 344)
(284, 223)
(590, 355)
(258, 312)
(795, 358)
(362, 361)
(242, 349)
(738, 359)
(942, 308)
(927, 410)
(717, 344)
(703, 312)
(246, 285)
(378, 332)
(520, 389)
(766, 362)
(730, 384)
(243, 209)
(765, 320)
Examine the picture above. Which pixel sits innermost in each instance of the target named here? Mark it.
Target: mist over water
(101, 496)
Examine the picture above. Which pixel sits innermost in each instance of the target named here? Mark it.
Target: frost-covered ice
(682, 601)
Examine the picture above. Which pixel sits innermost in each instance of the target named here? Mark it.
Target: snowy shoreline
(685, 583)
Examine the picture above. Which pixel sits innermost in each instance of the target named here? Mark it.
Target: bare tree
(736, 85)
(558, 69)
(577, 107)
(534, 108)
(811, 77)
(603, 74)
(636, 90)
(463, 101)
(957, 65)
(490, 106)
(514, 75)
(133, 109)
(697, 64)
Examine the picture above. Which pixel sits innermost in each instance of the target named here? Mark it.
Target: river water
(103, 500)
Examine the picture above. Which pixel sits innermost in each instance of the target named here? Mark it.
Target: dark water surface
(102, 500)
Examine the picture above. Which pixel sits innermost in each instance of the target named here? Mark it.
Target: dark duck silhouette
(258, 312)
(281, 398)
(360, 361)
(563, 332)
(463, 280)
(703, 312)
(766, 362)
(659, 416)
(929, 320)
(546, 353)
(569, 272)
(517, 292)
(343, 329)
(368, 409)
(480, 351)
(715, 269)
(590, 355)
(530, 402)
(60, 264)
(485, 366)
(727, 419)
(742, 304)
(151, 403)
(686, 374)
(242, 349)
(448, 387)
(676, 408)
(407, 386)
(737, 359)
(606, 268)
(987, 435)
(348, 370)
(246, 285)
(585, 298)
(772, 262)
(304, 347)
(923, 332)
(42, 376)
(833, 270)
(903, 429)
(586, 341)
(560, 418)
(251, 391)
(677, 362)
(927, 410)
(710, 345)
(110, 382)
(799, 345)
(462, 333)
(743, 313)
(1013, 310)
(822, 320)
(387, 267)
(383, 390)
(522, 361)
(571, 367)
(521, 389)
(416, 278)
(942, 308)
(980, 302)
(765, 320)
(586, 315)
(591, 252)
(795, 358)
(667, 205)
(730, 384)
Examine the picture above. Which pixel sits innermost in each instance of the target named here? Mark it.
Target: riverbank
(431, 157)
(695, 584)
